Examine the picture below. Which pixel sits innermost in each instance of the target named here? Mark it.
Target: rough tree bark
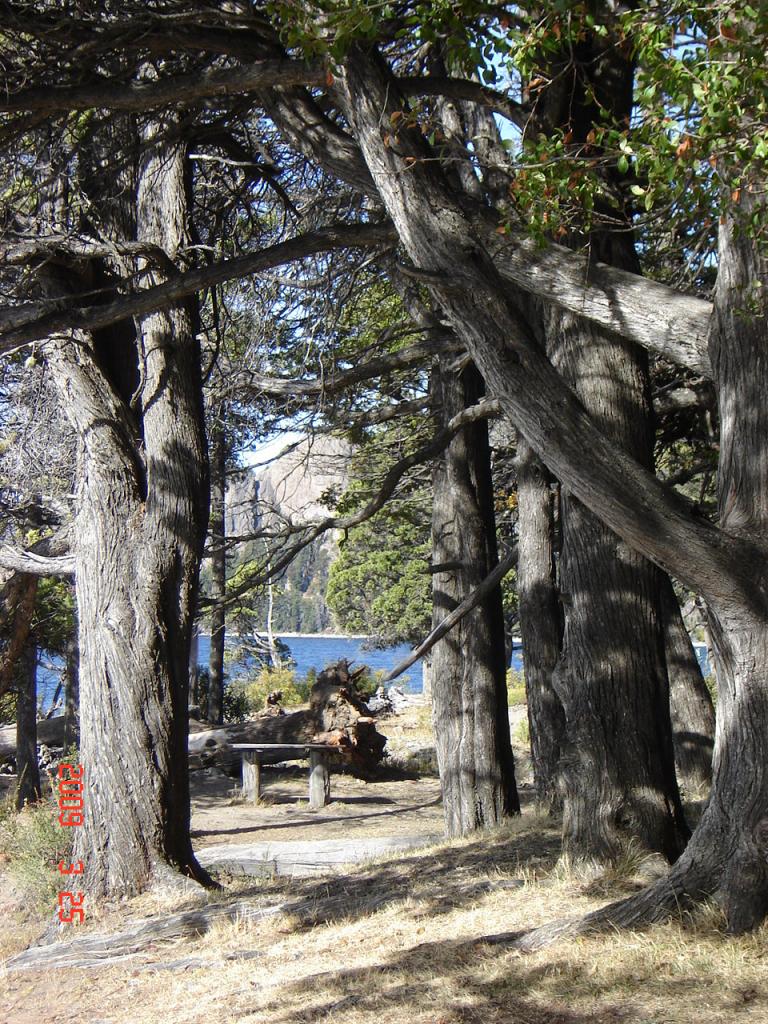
(540, 621)
(617, 774)
(469, 697)
(691, 708)
(28, 788)
(133, 394)
(71, 692)
(728, 854)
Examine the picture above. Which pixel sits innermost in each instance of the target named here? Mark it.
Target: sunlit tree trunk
(133, 393)
(28, 788)
(469, 697)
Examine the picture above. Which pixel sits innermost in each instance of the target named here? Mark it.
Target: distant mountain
(290, 489)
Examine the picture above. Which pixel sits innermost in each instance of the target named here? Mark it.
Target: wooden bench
(257, 754)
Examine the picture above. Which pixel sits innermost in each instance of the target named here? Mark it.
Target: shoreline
(303, 636)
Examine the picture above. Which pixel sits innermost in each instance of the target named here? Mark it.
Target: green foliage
(522, 734)
(34, 842)
(269, 679)
(54, 614)
(7, 707)
(516, 687)
(298, 597)
(699, 133)
(378, 584)
(236, 705)
(368, 682)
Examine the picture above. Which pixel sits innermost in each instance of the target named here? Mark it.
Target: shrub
(368, 682)
(271, 678)
(523, 733)
(34, 843)
(236, 703)
(516, 687)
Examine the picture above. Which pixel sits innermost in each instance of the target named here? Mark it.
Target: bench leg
(319, 780)
(251, 777)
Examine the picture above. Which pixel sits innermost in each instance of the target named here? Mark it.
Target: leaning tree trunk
(728, 853)
(691, 708)
(134, 396)
(732, 839)
(28, 788)
(540, 620)
(474, 751)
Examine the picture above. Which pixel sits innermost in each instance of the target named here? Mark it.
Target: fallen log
(336, 715)
(307, 858)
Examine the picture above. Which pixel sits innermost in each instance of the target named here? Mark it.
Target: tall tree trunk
(692, 712)
(469, 702)
(732, 839)
(728, 854)
(217, 542)
(540, 621)
(71, 692)
(134, 396)
(617, 772)
(28, 788)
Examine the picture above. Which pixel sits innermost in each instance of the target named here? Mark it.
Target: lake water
(315, 652)
(308, 652)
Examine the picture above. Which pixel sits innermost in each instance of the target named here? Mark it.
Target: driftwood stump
(336, 715)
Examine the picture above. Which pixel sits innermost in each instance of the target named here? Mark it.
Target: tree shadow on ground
(447, 981)
(449, 878)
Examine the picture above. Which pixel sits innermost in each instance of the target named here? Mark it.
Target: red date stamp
(71, 813)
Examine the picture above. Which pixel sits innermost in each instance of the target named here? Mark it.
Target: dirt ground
(387, 807)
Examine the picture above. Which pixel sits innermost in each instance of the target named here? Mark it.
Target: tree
(469, 696)
(724, 854)
(379, 582)
(616, 771)
(472, 260)
(540, 621)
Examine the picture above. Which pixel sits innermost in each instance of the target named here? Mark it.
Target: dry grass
(426, 955)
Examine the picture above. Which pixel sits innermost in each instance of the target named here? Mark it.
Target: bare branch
(464, 89)
(491, 581)
(102, 94)
(652, 314)
(289, 387)
(171, 292)
(47, 557)
(487, 407)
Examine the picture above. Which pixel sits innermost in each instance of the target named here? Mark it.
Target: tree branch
(465, 89)
(651, 314)
(442, 239)
(294, 387)
(482, 410)
(34, 564)
(171, 292)
(491, 581)
(102, 94)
